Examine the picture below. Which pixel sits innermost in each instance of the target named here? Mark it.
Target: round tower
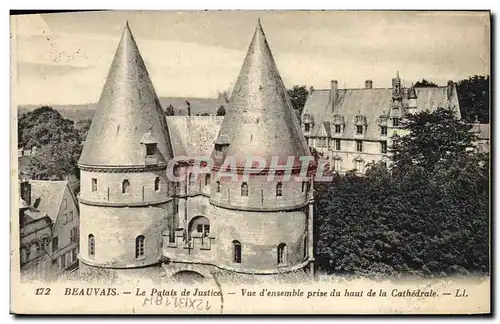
(125, 198)
(263, 224)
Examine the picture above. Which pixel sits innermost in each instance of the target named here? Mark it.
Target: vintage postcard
(250, 162)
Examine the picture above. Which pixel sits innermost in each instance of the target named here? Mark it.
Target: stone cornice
(261, 208)
(122, 169)
(123, 204)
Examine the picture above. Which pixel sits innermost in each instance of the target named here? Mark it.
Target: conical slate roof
(128, 112)
(260, 120)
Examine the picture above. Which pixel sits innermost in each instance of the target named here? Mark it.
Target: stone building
(135, 218)
(353, 127)
(49, 228)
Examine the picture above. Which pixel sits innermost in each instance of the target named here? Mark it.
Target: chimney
(368, 84)
(26, 191)
(334, 85)
(449, 90)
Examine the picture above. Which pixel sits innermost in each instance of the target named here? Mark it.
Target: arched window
(244, 189)
(282, 254)
(91, 245)
(236, 251)
(126, 186)
(218, 186)
(139, 246)
(201, 225)
(279, 189)
(157, 183)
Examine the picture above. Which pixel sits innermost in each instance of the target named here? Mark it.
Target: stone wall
(115, 230)
(109, 186)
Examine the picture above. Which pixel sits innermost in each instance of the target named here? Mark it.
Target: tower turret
(125, 196)
(396, 88)
(263, 224)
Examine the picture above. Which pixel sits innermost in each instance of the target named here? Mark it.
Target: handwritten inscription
(178, 302)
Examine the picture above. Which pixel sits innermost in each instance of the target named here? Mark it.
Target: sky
(64, 58)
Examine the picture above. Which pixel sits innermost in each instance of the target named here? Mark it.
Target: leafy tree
(170, 111)
(82, 127)
(433, 137)
(298, 96)
(425, 84)
(427, 216)
(43, 126)
(59, 142)
(221, 111)
(474, 98)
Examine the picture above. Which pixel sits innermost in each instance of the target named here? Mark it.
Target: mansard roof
(260, 120)
(127, 110)
(371, 103)
(193, 136)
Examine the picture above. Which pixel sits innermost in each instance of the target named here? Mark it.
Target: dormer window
(382, 120)
(220, 145)
(360, 124)
(338, 123)
(150, 149)
(308, 122)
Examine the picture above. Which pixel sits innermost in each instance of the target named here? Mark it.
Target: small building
(49, 227)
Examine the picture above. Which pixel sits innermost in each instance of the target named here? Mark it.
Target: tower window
(218, 186)
(91, 245)
(151, 149)
(207, 179)
(244, 189)
(157, 183)
(279, 189)
(304, 186)
(337, 129)
(395, 122)
(337, 144)
(307, 127)
(236, 251)
(359, 129)
(282, 254)
(94, 184)
(139, 246)
(359, 146)
(126, 186)
(383, 147)
(383, 130)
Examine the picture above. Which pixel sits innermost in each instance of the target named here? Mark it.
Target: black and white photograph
(250, 162)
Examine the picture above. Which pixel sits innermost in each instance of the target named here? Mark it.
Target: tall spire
(260, 120)
(128, 111)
